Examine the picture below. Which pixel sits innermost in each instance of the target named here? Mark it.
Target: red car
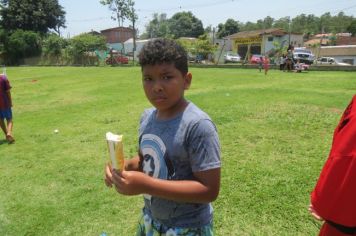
(115, 58)
(255, 59)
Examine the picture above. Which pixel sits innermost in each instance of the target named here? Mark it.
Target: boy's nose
(157, 87)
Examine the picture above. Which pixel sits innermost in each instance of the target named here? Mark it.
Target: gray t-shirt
(174, 149)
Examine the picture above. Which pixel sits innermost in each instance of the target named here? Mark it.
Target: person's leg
(8, 117)
(9, 131)
(2, 125)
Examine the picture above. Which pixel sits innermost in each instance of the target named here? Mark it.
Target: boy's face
(164, 87)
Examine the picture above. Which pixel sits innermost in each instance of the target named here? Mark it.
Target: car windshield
(232, 54)
(302, 51)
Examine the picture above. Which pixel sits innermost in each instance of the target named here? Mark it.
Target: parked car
(116, 58)
(231, 57)
(255, 58)
(330, 61)
(304, 55)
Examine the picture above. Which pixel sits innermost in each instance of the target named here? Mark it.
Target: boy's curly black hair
(162, 50)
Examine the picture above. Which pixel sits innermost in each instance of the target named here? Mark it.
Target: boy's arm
(204, 189)
(132, 164)
(9, 97)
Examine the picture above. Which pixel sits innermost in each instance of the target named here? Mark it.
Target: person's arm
(314, 213)
(130, 165)
(204, 189)
(9, 97)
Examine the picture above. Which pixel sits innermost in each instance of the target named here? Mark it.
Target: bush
(21, 44)
(52, 49)
(81, 49)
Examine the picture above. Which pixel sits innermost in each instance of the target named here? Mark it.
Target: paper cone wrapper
(116, 150)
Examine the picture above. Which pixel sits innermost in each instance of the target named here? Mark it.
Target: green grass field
(275, 133)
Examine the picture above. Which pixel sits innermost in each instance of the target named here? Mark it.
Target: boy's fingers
(108, 183)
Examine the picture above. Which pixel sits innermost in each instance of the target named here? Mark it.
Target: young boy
(266, 64)
(5, 108)
(178, 166)
(334, 196)
(260, 64)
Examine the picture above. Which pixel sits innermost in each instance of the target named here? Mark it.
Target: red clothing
(334, 196)
(266, 64)
(4, 88)
(328, 230)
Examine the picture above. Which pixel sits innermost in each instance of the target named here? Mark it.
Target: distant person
(260, 63)
(5, 108)
(334, 197)
(298, 67)
(266, 64)
(178, 164)
(289, 60)
(282, 62)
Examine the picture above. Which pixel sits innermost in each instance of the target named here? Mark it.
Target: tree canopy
(230, 27)
(185, 24)
(181, 24)
(122, 9)
(352, 28)
(34, 15)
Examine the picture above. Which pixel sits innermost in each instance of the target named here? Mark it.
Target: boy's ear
(187, 80)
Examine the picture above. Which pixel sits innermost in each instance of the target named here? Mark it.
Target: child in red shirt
(334, 197)
(266, 64)
(5, 108)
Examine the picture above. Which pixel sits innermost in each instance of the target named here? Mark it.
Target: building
(115, 37)
(331, 40)
(261, 41)
(343, 53)
(129, 46)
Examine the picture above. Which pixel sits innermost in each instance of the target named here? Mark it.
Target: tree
(352, 28)
(121, 9)
(82, 47)
(52, 47)
(21, 44)
(230, 27)
(249, 26)
(201, 46)
(266, 23)
(38, 16)
(340, 22)
(132, 16)
(185, 24)
(282, 23)
(325, 22)
(157, 27)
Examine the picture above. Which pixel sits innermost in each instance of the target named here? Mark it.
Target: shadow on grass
(3, 141)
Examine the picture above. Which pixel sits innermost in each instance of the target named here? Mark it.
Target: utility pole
(289, 31)
(213, 35)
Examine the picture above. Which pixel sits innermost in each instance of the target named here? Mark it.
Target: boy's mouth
(159, 99)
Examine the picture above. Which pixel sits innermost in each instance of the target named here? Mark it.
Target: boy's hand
(129, 182)
(108, 175)
(314, 213)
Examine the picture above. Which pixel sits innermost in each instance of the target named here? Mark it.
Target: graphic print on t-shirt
(154, 158)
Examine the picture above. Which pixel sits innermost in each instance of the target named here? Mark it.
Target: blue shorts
(149, 227)
(6, 114)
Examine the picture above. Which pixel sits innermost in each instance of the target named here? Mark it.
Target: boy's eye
(147, 79)
(166, 77)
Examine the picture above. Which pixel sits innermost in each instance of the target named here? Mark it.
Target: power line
(191, 6)
(91, 19)
(346, 8)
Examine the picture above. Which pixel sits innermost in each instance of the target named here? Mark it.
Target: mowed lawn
(275, 134)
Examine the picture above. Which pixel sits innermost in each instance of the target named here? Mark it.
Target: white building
(261, 41)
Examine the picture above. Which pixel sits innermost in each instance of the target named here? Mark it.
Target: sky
(86, 15)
